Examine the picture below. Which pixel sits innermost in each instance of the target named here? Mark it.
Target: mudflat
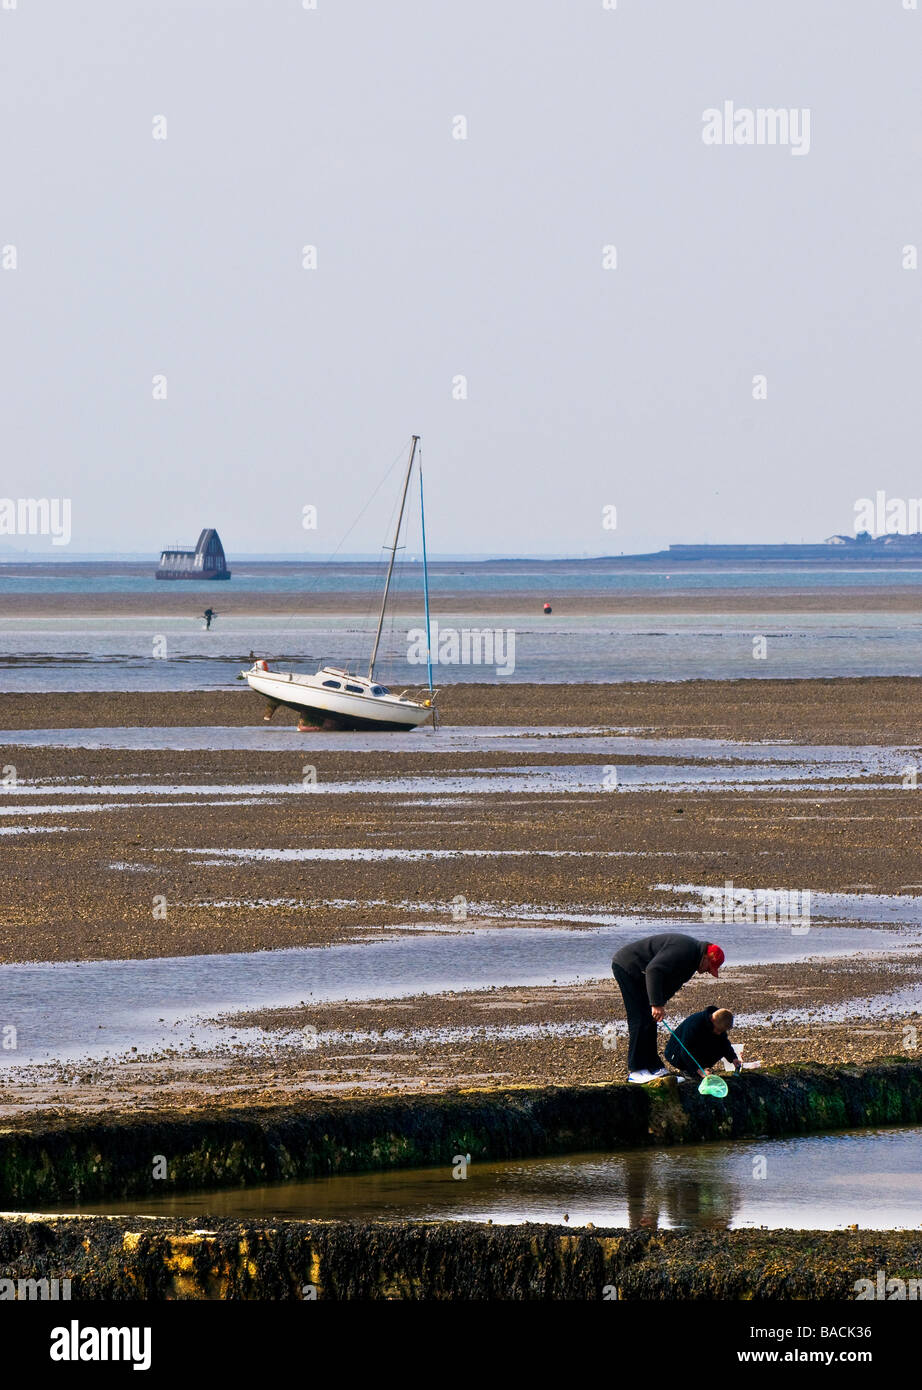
(874, 710)
(235, 600)
(105, 859)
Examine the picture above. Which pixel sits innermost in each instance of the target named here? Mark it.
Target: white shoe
(640, 1078)
(663, 1071)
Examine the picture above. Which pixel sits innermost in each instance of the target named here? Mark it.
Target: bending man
(648, 973)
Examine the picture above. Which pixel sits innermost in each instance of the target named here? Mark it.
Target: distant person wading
(648, 973)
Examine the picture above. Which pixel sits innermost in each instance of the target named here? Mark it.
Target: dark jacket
(666, 961)
(706, 1046)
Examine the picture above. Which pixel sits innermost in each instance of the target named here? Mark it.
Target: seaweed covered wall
(120, 1258)
(67, 1161)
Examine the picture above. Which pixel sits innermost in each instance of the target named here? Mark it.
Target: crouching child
(706, 1035)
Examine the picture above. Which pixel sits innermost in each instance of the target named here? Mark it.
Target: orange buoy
(548, 608)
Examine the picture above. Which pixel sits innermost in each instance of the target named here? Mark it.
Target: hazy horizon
(168, 362)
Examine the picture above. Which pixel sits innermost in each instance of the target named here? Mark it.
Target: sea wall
(126, 1258)
(68, 1160)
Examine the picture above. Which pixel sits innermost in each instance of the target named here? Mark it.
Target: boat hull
(197, 575)
(333, 710)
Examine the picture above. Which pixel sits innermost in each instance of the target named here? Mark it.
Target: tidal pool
(66, 1010)
(868, 1178)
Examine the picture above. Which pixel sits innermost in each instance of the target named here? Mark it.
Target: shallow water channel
(870, 1178)
(65, 1010)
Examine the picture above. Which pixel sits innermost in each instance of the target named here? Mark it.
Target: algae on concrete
(110, 1258)
(69, 1161)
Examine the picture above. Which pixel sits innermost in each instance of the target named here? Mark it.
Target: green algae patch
(669, 1122)
(66, 1161)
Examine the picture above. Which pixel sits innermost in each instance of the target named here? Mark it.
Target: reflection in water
(868, 1178)
(688, 1197)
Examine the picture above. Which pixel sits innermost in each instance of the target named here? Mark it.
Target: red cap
(715, 959)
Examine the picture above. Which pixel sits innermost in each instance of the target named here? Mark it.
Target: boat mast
(393, 549)
(422, 517)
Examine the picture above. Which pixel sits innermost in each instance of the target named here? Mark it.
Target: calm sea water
(146, 653)
(541, 579)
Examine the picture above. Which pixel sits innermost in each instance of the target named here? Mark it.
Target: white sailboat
(334, 698)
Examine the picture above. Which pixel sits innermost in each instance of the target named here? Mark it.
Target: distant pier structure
(206, 561)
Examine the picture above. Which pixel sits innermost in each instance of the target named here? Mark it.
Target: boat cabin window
(356, 689)
(379, 690)
(334, 685)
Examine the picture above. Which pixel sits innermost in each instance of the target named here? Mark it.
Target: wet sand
(874, 710)
(234, 600)
(549, 1035)
(86, 889)
(82, 885)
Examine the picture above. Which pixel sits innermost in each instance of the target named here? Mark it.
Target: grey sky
(439, 257)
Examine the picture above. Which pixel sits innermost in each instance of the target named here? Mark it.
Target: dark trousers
(707, 1054)
(642, 1054)
(679, 1059)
